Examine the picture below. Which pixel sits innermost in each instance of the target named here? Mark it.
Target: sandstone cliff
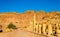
(27, 18)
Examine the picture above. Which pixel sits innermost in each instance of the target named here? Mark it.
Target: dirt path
(19, 33)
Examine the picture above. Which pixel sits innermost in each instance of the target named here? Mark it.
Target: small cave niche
(1, 28)
(16, 22)
(25, 26)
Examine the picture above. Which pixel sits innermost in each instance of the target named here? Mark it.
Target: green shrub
(11, 26)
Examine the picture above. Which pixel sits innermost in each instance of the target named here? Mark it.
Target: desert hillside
(31, 20)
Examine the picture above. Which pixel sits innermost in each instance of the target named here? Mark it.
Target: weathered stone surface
(29, 19)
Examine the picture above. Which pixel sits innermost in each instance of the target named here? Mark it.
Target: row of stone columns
(46, 29)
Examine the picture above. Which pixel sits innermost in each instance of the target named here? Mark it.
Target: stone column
(36, 28)
(43, 29)
(49, 29)
(40, 28)
(58, 30)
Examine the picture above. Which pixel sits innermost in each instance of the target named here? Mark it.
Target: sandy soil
(19, 33)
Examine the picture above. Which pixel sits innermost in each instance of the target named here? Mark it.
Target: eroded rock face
(26, 19)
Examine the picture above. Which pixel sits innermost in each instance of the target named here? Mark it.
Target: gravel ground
(22, 33)
(19, 33)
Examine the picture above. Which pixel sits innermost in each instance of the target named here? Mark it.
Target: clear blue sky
(23, 5)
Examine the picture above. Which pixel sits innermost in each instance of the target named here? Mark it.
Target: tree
(11, 26)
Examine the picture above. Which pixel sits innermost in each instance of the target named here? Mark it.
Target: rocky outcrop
(25, 19)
